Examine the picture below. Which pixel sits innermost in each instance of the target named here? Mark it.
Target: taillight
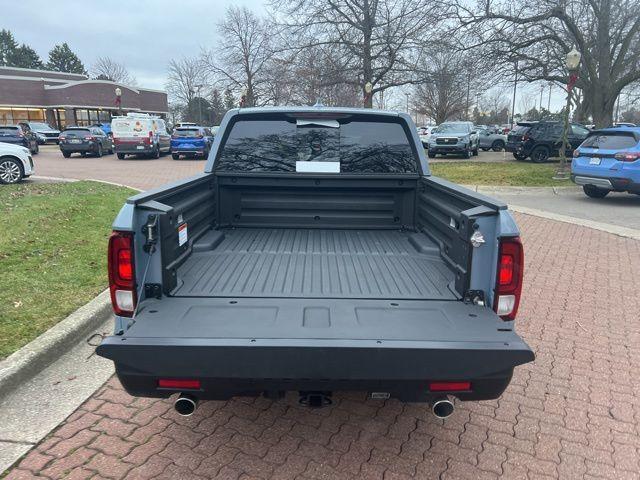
(576, 153)
(122, 282)
(627, 156)
(509, 278)
(178, 383)
(89, 137)
(62, 139)
(449, 386)
(150, 138)
(525, 137)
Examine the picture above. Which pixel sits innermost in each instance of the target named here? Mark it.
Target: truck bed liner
(308, 263)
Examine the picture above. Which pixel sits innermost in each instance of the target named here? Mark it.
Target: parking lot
(139, 173)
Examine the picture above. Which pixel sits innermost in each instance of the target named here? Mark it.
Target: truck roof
(319, 110)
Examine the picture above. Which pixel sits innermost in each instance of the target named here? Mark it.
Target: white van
(140, 134)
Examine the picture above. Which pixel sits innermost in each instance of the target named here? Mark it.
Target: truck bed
(315, 263)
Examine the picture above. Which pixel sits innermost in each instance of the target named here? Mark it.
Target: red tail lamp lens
(121, 273)
(179, 384)
(509, 278)
(449, 386)
(125, 268)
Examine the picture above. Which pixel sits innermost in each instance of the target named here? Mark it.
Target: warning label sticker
(182, 234)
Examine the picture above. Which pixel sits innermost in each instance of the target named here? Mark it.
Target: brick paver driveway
(574, 413)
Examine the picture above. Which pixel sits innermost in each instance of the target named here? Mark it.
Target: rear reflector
(509, 278)
(121, 273)
(178, 383)
(449, 386)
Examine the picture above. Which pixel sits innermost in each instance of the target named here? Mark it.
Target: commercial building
(62, 99)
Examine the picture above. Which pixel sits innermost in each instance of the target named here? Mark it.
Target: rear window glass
(8, 131)
(521, 129)
(287, 146)
(76, 132)
(186, 132)
(610, 141)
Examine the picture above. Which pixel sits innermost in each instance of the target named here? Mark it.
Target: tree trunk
(602, 104)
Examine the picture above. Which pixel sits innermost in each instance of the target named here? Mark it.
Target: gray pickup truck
(316, 253)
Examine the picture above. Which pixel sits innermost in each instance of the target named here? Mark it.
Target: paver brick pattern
(573, 413)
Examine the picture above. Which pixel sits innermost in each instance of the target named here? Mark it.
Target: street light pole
(407, 101)
(572, 64)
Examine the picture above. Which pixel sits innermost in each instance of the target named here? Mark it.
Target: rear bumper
(616, 184)
(71, 148)
(133, 149)
(184, 151)
(230, 367)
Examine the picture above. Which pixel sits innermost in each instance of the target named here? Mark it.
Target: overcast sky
(144, 34)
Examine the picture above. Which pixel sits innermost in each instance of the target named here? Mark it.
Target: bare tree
(494, 100)
(379, 41)
(451, 79)
(526, 103)
(186, 79)
(240, 59)
(106, 68)
(539, 34)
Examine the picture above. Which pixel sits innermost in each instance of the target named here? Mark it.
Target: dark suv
(541, 140)
(84, 140)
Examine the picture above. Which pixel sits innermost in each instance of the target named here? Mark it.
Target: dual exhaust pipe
(186, 405)
(442, 408)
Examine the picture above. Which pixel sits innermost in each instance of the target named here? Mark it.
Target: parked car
(16, 163)
(45, 130)
(487, 139)
(20, 135)
(105, 127)
(85, 140)
(42, 140)
(191, 142)
(541, 140)
(424, 133)
(271, 274)
(140, 134)
(454, 137)
(608, 160)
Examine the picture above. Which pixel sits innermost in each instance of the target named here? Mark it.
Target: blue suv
(608, 160)
(191, 141)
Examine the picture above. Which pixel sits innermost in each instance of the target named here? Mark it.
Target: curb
(48, 347)
(603, 227)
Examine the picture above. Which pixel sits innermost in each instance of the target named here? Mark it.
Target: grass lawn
(53, 253)
(523, 174)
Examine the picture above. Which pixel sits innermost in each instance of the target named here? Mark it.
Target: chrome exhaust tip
(442, 408)
(185, 404)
